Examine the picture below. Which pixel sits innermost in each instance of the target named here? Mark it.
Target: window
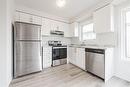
(87, 32)
(127, 33)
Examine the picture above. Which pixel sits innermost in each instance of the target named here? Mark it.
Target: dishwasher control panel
(100, 51)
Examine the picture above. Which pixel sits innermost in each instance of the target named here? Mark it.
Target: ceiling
(71, 9)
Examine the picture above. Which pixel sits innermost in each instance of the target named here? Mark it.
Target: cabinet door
(74, 27)
(72, 55)
(17, 16)
(46, 26)
(69, 53)
(80, 58)
(37, 20)
(82, 62)
(103, 20)
(26, 18)
(54, 25)
(47, 57)
(60, 26)
(66, 29)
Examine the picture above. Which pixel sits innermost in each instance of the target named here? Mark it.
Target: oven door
(59, 55)
(55, 53)
(63, 53)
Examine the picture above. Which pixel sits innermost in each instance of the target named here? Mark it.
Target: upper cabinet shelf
(103, 20)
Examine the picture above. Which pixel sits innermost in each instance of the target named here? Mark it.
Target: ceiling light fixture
(60, 3)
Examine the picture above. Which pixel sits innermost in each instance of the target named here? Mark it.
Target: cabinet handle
(41, 51)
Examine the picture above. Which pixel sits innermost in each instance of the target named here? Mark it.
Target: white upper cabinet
(55, 25)
(37, 20)
(49, 25)
(66, 29)
(17, 16)
(74, 27)
(46, 26)
(103, 20)
(24, 17)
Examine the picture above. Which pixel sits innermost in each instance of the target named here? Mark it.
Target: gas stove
(59, 53)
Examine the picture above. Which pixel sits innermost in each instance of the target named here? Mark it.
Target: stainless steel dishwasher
(95, 62)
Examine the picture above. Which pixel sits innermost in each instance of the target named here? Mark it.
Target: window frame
(81, 30)
(124, 31)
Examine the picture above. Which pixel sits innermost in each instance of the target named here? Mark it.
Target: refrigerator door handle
(41, 51)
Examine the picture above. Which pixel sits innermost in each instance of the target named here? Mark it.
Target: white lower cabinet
(47, 57)
(80, 58)
(109, 63)
(76, 56)
(72, 55)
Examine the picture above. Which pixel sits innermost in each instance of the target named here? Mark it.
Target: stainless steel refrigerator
(27, 49)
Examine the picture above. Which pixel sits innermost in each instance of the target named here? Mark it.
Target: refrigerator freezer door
(27, 58)
(25, 31)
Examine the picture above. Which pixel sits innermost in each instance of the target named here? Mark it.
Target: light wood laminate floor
(66, 76)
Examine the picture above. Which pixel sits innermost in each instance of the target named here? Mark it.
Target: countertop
(91, 46)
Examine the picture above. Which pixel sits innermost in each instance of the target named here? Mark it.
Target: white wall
(121, 64)
(5, 42)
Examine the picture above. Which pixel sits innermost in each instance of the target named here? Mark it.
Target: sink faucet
(83, 44)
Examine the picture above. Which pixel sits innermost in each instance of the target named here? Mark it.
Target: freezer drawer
(95, 63)
(27, 58)
(25, 31)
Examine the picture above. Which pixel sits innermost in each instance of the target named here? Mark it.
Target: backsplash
(64, 40)
(101, 39)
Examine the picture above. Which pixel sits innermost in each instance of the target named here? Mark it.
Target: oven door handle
(59, 47)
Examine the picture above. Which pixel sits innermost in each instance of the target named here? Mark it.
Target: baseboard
(122, 77)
